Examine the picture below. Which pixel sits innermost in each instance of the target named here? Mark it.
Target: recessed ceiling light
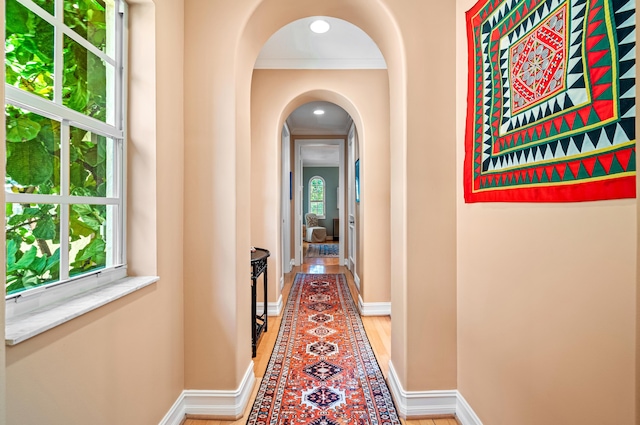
(318, 112)
(319, 26)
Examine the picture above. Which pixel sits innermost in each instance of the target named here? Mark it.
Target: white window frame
(324, 196)
(31, 299)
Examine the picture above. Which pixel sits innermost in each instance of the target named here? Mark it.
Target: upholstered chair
(314, 233)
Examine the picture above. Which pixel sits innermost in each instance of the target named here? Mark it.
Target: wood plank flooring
(378, 330)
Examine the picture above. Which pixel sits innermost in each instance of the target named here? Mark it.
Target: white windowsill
(28, 325)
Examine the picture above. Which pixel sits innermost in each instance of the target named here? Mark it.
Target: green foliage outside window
(33, 144)
(316, 196)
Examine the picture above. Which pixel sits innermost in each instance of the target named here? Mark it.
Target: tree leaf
(16, 17)
(25, 261)
(12, 248)
(14, 284)
(48, 135)
(45, 229)
(21, 129)
(94, 248)
(16, 219)
(102, 190)
(30, 280)
(39, 264)
(53, 262)
(79, 228)
(91, 156)
(77, 175)
(30, 164)
(82, 209)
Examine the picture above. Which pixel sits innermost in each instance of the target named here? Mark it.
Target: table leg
(266, 315)
(253, 316)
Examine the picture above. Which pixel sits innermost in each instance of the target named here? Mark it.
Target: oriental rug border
(322, 370)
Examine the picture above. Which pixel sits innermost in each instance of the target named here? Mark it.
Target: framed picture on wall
(358, 180)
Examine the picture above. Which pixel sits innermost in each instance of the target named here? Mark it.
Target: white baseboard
(465, 413)
(356, 280)
(176, 414)
(373, 309)
(420, 403)
(292, 264)
(415, 404)
(212, 403)
(273, 309)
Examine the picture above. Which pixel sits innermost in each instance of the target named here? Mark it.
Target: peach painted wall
(365, 96)
(217, 197)
(546, 302)
(123, 363)
(424, 181)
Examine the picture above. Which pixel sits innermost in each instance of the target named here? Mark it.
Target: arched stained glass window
(317, 193)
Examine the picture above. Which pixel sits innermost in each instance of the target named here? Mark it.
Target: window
(316, 196)
(64, 141)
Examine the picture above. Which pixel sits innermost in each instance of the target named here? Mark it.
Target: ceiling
(334, 122)
(344, 46)
(320, 156)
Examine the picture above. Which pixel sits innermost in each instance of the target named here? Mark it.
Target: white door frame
(298, 195)
(351, 251)
(285, 212)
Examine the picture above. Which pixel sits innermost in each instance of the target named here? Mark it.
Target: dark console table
(258, 322)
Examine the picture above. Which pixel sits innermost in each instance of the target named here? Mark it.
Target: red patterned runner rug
(322, 370)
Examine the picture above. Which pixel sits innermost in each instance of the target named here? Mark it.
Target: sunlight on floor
(317, 269)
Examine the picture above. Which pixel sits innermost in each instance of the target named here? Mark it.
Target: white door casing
(298, 219)
(285, 212)
(351, 260)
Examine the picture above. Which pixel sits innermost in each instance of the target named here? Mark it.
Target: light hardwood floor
(378, 330)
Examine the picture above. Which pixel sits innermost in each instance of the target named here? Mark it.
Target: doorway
(310, 158)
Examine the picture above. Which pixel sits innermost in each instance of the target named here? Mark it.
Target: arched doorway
(224, 144)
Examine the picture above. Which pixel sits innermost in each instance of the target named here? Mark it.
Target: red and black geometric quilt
(551, 101)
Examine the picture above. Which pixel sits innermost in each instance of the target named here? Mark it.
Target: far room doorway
(318, 135)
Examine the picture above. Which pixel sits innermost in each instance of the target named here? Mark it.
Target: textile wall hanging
(551, 101)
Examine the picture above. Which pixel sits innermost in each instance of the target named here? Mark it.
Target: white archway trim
(415, 404)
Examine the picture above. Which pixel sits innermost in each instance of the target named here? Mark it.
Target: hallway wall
(124, 362)
(546, 302)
